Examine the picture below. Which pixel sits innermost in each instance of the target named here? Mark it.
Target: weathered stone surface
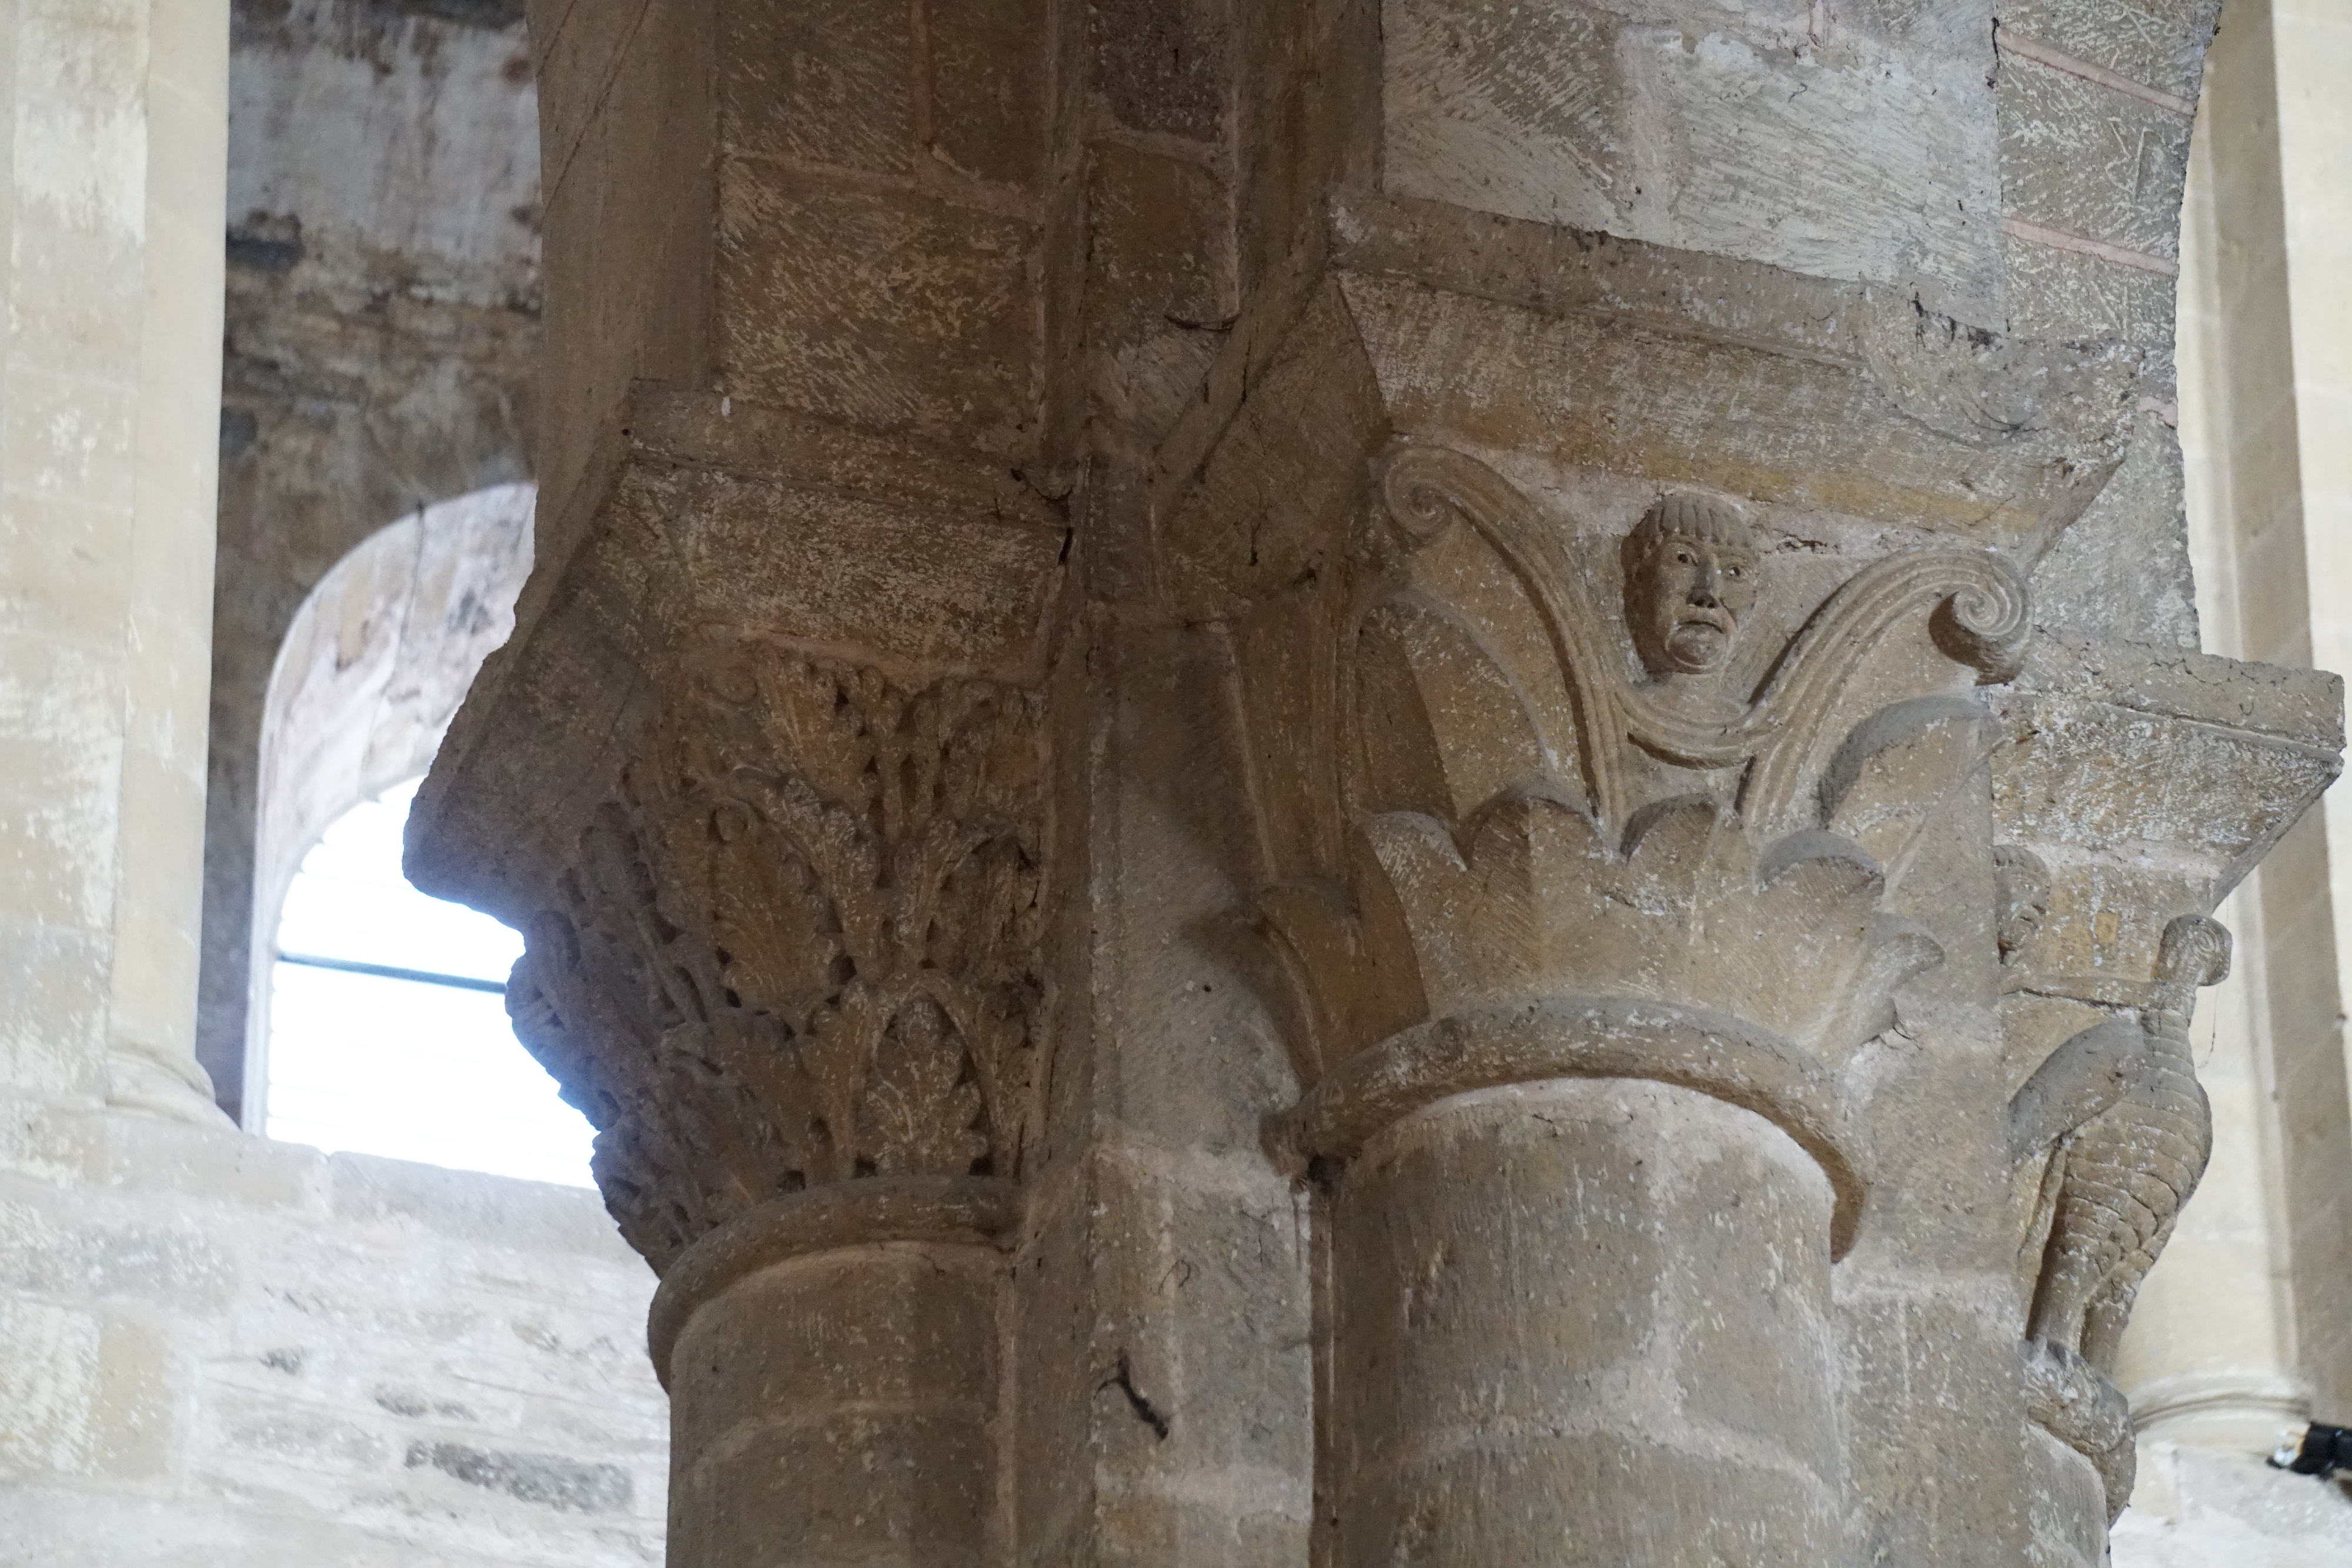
(218, 1345)
(1676, 126)
(830, 84)
(1511, 1370)
(896, 311)
(1589, 832)
(866, 1429)
(2126, 194)
(382, 340)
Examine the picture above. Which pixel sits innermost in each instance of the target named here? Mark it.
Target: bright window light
(387, 1031)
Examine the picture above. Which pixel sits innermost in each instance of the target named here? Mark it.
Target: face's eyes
(1731, 571)
(1686, 557)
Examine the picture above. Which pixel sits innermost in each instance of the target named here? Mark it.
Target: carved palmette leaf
(844, 1039)
(821, 716)
(776, 934)
(921, 1111)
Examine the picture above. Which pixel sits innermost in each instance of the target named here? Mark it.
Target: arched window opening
(388, 1031)
(375, 1022)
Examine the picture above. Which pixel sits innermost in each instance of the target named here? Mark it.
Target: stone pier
(1367, 782)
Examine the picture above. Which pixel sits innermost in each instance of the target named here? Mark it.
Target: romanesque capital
(799, 948)
(1667, 785)
(1649, 841)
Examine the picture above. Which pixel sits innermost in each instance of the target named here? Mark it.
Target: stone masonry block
(1053, 1343)
(525, 1217)
(53, 1020)
(1158, 246)
(991, 67)
(85, 1392)
(50, 1378)
(549, 1480)
(60, 774)
(1202, 1368)
(2079, 156)
(1677, 130)
(56, 1248)
(829, 84)
(2056, 294)
(891, 310)
(2121, 572)
(1160, 64)
(2155, 44)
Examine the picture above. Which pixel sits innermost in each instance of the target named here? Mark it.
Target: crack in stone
(1124, 1381)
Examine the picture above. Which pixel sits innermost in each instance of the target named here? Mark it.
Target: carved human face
(1689, 597)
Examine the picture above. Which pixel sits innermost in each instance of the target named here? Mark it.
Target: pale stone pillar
(2242, 1321)
(115, 117)
(2311, 42)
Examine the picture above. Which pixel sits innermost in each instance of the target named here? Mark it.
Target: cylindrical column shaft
(837, 1408)
(1582, 1322)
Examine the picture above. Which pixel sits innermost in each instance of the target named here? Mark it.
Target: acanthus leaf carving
(801, 945)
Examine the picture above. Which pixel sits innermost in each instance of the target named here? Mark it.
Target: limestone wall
(215, 1349)
(383, 316)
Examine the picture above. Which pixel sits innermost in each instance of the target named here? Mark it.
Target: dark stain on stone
(288, 1362)
(239, 429)
(266, 242)
(493, 15)
(548, 1479)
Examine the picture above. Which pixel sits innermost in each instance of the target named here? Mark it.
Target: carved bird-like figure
(2129, 1130)
(2124, 1174)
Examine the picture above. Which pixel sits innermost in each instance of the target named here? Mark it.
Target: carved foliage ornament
(801, 947)
(1977, 601)
(1531, 803)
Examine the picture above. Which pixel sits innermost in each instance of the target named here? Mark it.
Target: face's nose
(1703, 581)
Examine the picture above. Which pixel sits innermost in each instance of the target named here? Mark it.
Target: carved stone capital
(800, 946)
(1565, 834)
(1527, 816)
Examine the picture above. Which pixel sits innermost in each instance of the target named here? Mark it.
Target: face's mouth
(1711, 616)
(1700, 638)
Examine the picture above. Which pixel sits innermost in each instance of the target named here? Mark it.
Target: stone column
(769, 802)
(1573, 1048)
(1582, 1322)
(791, 974)
(2259, 360)
(831, 1367)
(117, 117)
